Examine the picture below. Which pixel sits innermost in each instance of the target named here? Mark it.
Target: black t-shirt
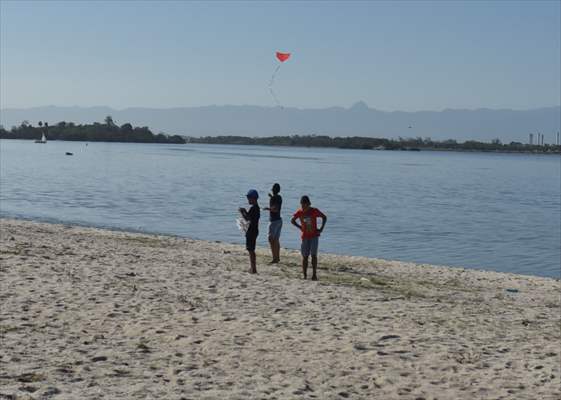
(275, 200)
(253, 217)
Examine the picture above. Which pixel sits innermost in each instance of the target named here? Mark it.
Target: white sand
(92, 314)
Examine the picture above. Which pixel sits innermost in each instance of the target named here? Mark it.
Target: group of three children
(304, 219)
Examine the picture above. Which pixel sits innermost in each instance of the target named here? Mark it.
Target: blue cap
(252, 194)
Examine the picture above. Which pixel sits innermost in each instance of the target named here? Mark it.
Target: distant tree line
(96, 132)
(367, 143)
(111, 132)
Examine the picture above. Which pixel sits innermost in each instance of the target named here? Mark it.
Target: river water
(498, 212)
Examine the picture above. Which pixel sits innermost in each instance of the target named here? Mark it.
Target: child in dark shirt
(252, 216)
(275, 224)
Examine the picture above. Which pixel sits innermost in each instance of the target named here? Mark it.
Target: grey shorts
(275, 229)
(309, 247)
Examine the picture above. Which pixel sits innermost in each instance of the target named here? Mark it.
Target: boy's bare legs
(252, 262)
(272, 244)
(314, 267)
(276, 251)
(305, 266)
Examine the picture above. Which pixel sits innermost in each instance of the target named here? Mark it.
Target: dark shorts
(250, 240)
(309, 247)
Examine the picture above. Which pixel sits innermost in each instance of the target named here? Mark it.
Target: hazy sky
(394, 55)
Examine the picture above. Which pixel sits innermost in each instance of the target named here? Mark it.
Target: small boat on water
(43, 139)
(69, 153)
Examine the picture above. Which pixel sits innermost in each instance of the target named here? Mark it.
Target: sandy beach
(97, 314)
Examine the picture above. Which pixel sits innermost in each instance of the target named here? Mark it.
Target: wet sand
(97, 314)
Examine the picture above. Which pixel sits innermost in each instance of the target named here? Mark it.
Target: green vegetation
(110, 132)
(96, 132)
(366, 143)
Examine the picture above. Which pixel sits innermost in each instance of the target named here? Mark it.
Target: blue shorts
(275, 229)
(309, 247)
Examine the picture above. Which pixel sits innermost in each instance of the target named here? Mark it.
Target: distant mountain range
(358, 120)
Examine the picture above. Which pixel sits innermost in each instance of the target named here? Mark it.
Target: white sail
(43, 139)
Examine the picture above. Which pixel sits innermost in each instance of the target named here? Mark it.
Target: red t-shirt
(308, 221)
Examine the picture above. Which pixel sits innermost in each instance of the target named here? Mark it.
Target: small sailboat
(43, 139)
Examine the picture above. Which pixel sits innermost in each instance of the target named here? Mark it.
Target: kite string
(274, 75)
(271, 82)
(277, 102)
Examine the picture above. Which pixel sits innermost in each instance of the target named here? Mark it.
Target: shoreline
(90, 313)
(86, 225)
(416, 149)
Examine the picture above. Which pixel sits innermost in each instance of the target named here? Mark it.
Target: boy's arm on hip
(293, 222)
(323, 221)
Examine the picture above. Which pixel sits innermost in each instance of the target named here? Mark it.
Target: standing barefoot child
(310, 233)
(252, 216)
(275, 222)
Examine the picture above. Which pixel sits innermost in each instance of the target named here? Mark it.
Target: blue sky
(394, 55)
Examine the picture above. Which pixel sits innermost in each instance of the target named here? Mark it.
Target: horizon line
(358, 104)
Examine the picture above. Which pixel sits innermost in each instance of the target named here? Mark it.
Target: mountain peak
(359, 106)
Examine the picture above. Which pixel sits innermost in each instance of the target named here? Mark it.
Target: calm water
(490, 211)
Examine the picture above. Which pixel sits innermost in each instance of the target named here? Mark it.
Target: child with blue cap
(252, 216)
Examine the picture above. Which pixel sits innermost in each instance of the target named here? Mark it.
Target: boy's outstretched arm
(273, 208)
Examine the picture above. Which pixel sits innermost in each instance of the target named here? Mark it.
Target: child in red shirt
(307, 216)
